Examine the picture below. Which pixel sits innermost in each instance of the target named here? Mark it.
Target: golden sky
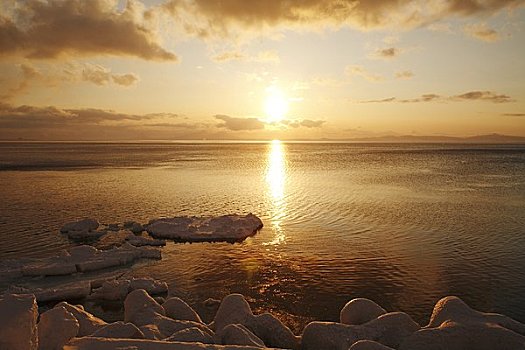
(238, 69)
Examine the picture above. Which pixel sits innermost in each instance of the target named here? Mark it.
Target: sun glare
(276, 104)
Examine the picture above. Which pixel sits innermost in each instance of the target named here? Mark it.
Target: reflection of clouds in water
(275, 179)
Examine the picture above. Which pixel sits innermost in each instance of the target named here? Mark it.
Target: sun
(276, 104)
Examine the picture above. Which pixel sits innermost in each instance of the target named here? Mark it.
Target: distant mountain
(490, 138)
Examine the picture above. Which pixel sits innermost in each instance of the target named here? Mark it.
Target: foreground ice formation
(174, 325)
(229, 228)
(82, 258)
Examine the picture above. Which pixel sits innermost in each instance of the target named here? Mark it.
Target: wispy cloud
(307, 123)
(360, 71)
(405, 74)
(263, 56)
(486, 96)
(238, 124)
(482, 32)
(99, 75)
(514, 114)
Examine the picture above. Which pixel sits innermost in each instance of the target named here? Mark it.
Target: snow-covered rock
(90, 343)
(456, 336)
(81, 225)
(177, 309)
(139, 241)
(82, 258)
(273, 332)
(235, 310)
(133, 226)
(150, 285)
(112, 290)
(452, 308)
(389, 329)
(18, 315)
(88, 323)
(230, 228)
(454, 325)
(369, 345)
(70, 291)
(360, 310)
(55, 328)
(151, 332)
(237, 334)
(86, 229)
(192, 334)
(119, 330)
(140, 308)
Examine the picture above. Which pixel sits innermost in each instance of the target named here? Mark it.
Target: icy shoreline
(170, 323)
(42, 315)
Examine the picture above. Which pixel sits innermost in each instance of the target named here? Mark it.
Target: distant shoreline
(492, 139)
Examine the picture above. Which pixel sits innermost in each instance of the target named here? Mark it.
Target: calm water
(401, 224)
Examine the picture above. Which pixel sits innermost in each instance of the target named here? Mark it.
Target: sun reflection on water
(275, 179)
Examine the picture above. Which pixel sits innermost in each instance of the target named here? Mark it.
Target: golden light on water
(276, 180)
(276, 104)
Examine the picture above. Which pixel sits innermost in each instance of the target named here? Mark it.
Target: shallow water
(402, 224)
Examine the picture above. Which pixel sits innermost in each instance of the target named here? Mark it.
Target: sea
(401, 224)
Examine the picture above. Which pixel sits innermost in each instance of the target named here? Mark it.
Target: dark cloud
(388, 53)
(238, 124)
(514, 114)
(49, 29)
(219, 17)
(52, 123)
(30, 116)
(388, 99)
(488, 96)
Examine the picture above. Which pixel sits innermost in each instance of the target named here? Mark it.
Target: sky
(260, 70)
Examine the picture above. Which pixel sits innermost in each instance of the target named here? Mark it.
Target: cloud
(263, 56)
(102, 76)
(387, 53)
(514, 114)
(354, 70)
(406, 74)
(29, 116)
(206, 18)
(307, 123)
(384, 100)
(238, 124)
(72, 72)
(50, 29)
(125, 79)
(29, 74)
(481, 32)
(487, 96)
(312, 123)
